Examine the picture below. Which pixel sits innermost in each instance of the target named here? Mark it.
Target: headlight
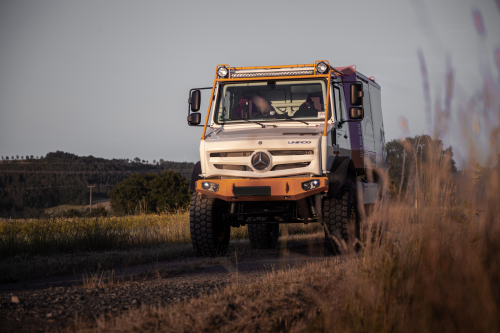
(208, 186)
(222, 72)
(322, 68)
(311, 185)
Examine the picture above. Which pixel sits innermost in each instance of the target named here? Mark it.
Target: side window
(338, 110)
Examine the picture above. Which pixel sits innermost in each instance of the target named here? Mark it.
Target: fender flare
(342, 169)
(195, 176)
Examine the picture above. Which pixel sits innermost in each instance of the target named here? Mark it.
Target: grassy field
(43, 247)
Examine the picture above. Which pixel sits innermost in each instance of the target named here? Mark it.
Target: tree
(137, 159)
(170, 190)
(143, 161)
(12, 158)
(406, 158)
(2, 157)
(162, 160)
(22, 157)
(17, 157)
(154, 161)
(131, 194)
(7, 158)
(150, 192)
(31, 156)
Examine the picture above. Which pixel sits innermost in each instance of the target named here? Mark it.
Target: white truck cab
(285, 144)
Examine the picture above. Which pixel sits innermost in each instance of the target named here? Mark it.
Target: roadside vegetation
(34, 248)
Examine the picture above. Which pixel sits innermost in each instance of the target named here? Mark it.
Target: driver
(263, 106)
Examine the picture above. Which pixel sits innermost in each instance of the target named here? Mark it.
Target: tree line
(62, 178)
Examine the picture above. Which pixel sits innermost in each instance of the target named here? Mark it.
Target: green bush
(150, 192)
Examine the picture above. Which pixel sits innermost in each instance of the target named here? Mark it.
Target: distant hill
(62, 178)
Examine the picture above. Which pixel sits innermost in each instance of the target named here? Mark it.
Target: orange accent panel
(282, 189)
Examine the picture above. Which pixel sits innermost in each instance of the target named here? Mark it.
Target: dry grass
(280, 301)
(424, 269)
(50, 236)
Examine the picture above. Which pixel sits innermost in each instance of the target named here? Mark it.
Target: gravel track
(63, 306)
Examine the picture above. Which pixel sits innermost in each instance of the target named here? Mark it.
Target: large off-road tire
(209, 236)
(263, 235)
(342, 220)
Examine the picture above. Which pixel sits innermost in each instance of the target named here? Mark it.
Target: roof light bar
(256, 74)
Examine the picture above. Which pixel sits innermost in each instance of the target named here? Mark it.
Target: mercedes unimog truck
(285, 144)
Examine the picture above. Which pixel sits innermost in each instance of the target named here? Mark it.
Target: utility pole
(91, 187)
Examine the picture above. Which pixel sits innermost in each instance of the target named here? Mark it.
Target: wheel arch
(341, 170)
(195, 176)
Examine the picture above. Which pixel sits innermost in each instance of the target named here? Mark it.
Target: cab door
(339, 136)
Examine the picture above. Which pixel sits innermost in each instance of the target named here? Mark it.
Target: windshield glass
(271, 101)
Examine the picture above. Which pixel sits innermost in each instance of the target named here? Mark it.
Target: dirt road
(70, 301)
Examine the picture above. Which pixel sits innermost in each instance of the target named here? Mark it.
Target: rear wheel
(263, 235)
(209, 236)
(342, 220)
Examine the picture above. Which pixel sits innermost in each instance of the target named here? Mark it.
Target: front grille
(290, 166)
(233, 167)
(232, 154)
(291, 152)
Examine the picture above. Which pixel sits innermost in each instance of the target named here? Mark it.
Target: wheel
(208, 236)
(263, 235)
(342, 220)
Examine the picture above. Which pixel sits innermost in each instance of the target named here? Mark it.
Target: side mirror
(195, 100)
(356, 94)
(356, 113)
(194, 119)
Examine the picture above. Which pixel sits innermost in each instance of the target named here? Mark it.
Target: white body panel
(253, 138)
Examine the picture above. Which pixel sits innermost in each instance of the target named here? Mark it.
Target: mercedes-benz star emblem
(260, 142)
(261, 161)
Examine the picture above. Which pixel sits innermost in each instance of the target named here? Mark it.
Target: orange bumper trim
(282, 189)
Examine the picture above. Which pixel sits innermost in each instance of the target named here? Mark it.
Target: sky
(111, 78)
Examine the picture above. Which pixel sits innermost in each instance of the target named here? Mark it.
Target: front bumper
(281, 189)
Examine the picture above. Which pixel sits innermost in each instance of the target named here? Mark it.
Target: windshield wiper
(291, 118)
(248, 121)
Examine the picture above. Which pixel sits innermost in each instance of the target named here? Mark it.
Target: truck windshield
(271, 101)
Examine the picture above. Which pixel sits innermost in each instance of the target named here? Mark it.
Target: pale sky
(111, 78)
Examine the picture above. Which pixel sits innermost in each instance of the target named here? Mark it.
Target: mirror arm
(348, 121)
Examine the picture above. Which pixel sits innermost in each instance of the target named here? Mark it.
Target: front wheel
(342, 220)
(209, 236)
(263, 235)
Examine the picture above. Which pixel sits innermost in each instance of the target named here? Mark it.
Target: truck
(286, 144)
